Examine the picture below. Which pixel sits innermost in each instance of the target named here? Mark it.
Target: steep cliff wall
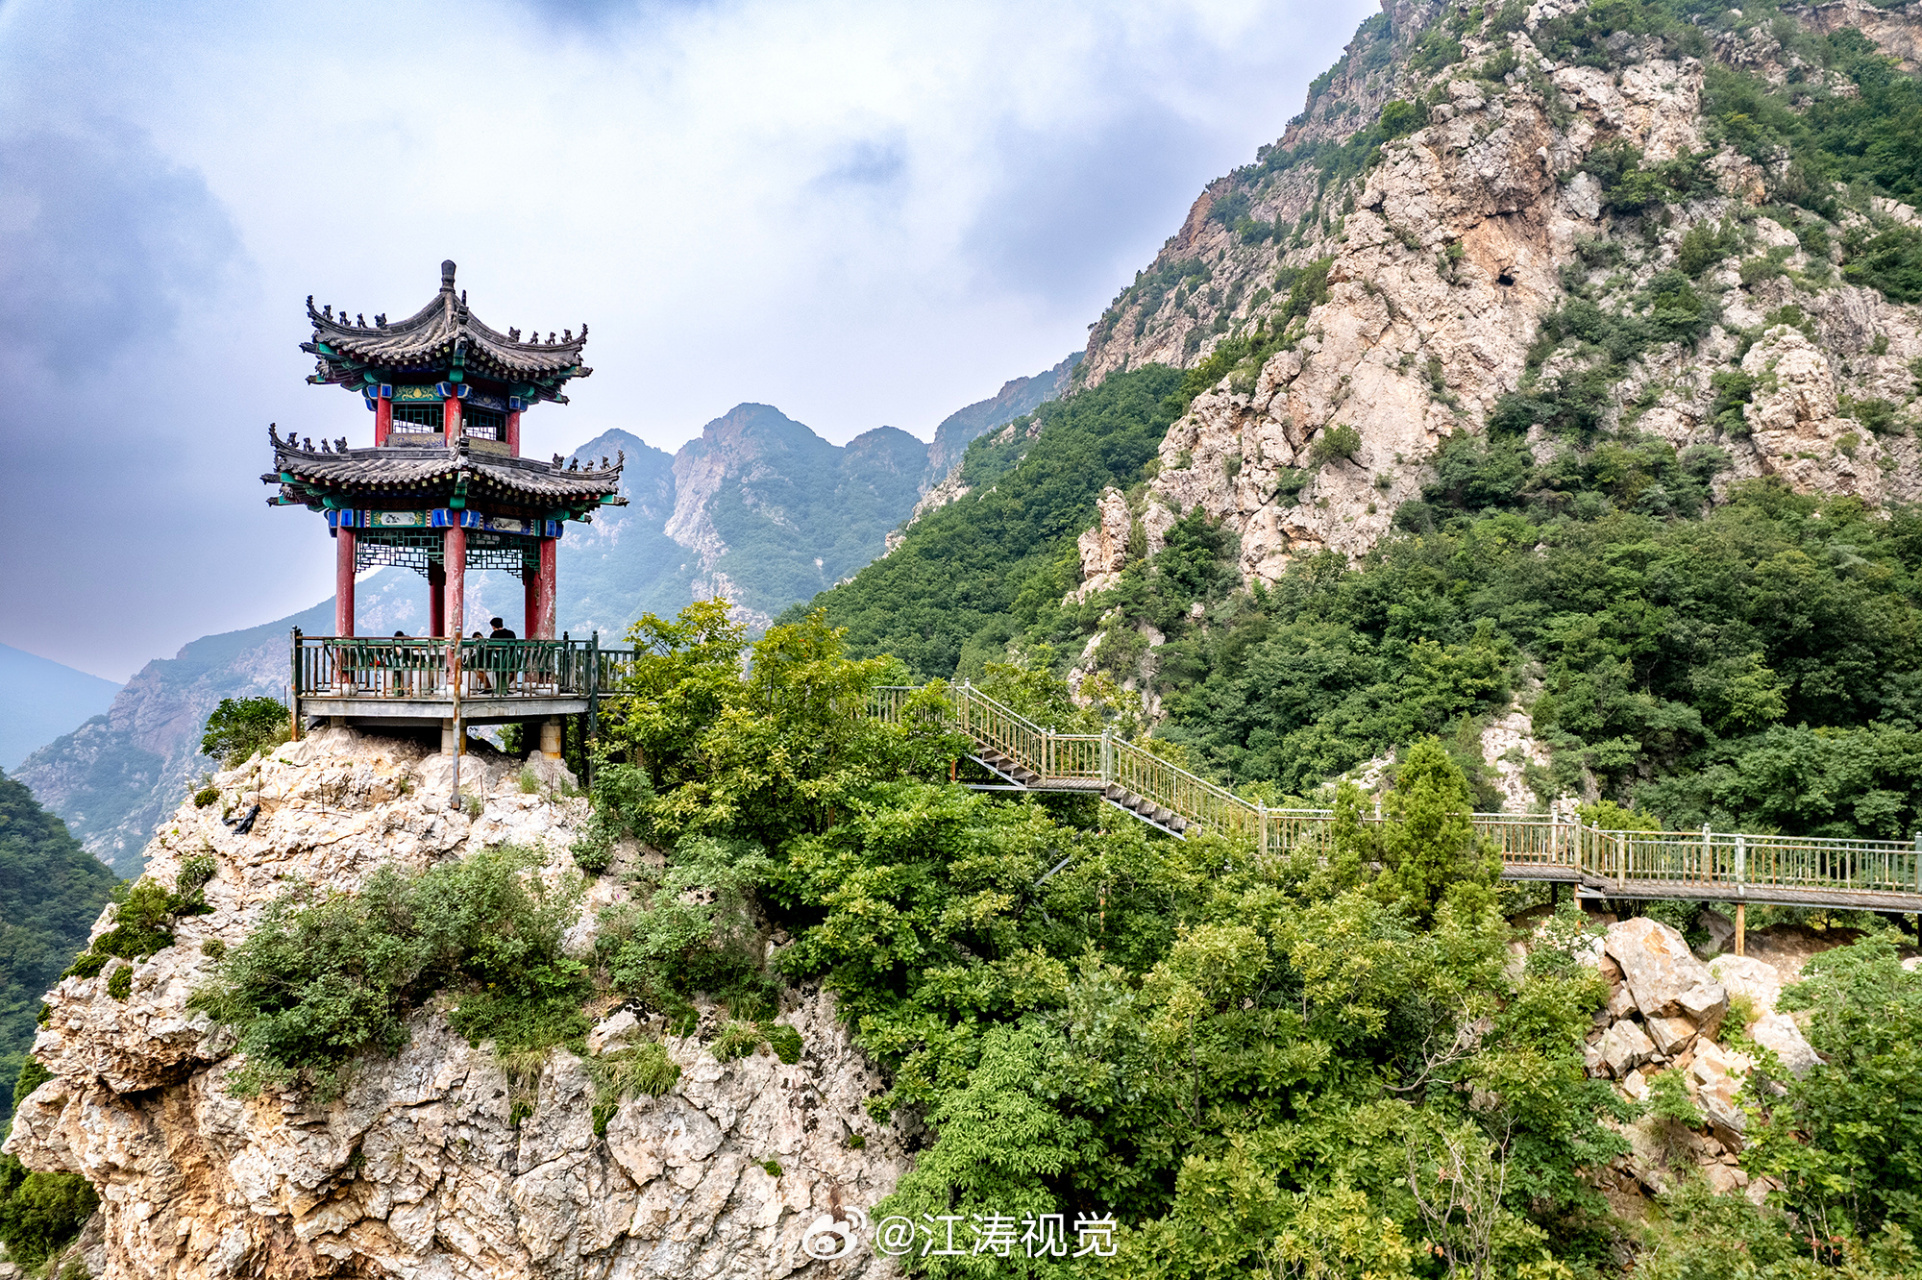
(438, 1161)
(1483, 215)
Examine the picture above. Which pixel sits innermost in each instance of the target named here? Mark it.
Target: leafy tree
(1847, 1139)
(41, 1213)
(239, 727)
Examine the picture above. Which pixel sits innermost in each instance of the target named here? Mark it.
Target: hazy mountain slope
(623, 564)
(1016, 397)
(50, 893)
(41, 699)
(773, 513)
(119, 773)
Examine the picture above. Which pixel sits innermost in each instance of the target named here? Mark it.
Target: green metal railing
(1706, 864)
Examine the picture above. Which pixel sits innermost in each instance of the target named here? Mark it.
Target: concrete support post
(1741, 928)
(344, 582)
(551, 737)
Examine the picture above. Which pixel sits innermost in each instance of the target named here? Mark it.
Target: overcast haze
(860, 213)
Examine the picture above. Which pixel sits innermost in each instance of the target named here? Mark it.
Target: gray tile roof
(430, 340)
(416, 470)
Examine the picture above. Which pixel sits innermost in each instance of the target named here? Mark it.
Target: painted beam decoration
(443, 518)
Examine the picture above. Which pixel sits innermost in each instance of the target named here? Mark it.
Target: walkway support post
(1741, 928)
(293, 701)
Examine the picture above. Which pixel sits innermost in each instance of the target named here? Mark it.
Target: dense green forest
(975, 574)
(51, 891)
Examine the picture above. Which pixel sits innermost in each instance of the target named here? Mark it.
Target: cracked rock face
(1441, 260)
(435, 1162)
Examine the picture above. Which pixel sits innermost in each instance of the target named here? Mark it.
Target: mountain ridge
(40, 698)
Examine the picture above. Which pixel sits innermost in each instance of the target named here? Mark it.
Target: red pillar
(544, 604)
(514, 433)
(455, 550)
(383, 419)
(344, 582)
(437, 598)
(450, 415)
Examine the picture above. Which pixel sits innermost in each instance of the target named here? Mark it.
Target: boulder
(1747, 976)
(1660, 971)
(1723, 1179)
(1720, 930)
(1625, 1046)
(1671, 1035)
(617, 1032)
(1778, 1032)
(1635, 1085)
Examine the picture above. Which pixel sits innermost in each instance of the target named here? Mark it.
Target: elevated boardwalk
(1876, 875)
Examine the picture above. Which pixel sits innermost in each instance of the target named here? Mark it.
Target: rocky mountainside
(444, 1159)
(1543, 325)
(1018, 396)
(1521, 222)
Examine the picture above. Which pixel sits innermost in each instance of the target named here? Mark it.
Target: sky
(862, 213)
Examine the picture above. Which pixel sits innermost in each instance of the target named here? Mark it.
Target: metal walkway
(1735, 867)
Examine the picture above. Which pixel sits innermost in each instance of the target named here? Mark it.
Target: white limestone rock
(424, 1168)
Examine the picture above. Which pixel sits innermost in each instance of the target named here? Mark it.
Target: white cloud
(859, 212)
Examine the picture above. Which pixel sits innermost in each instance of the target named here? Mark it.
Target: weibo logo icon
(830, 1238)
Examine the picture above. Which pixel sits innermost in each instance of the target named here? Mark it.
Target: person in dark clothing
(501, 660)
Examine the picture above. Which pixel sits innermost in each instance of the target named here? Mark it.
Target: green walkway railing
(1877, 874)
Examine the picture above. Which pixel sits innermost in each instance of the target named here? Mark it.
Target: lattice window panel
(416, 549)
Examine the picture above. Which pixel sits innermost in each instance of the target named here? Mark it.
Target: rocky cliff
(439, 1161)
(1518, 222)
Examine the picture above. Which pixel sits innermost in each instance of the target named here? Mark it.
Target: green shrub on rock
(327, 977)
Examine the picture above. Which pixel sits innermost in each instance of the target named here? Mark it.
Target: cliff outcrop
(442, 1160)
(1478, 220)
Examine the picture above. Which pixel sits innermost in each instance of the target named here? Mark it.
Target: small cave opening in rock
(1506, 277)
